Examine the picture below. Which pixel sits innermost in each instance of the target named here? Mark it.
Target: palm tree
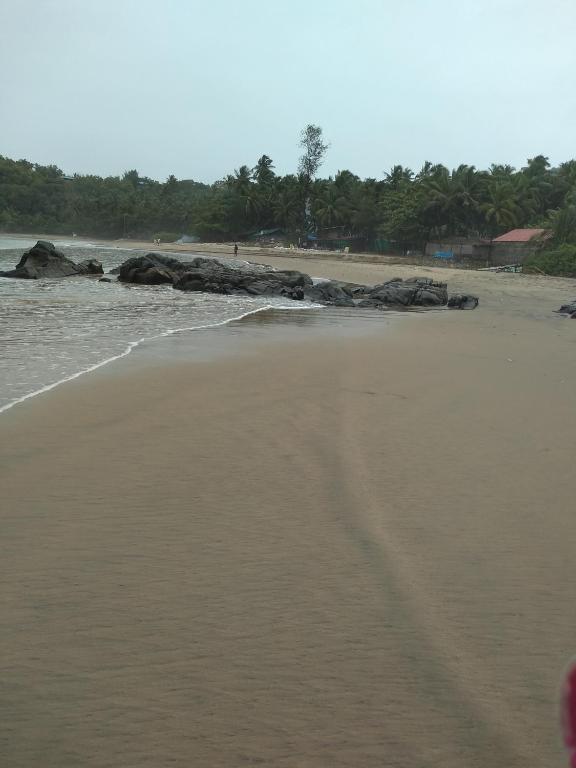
(501, 171)
(525, 195)
(263, 172)
(502, 210)
(441, 201)
(242, 178)
(469, 192)
(454, 199)
(364, 211)
(288, 205)
(564, 223)
(329, 207)
(397, 176)
(346, 181)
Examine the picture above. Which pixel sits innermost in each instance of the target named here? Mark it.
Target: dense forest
(401, 208)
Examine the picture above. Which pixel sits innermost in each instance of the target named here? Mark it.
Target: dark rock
(414, 292)
(136, 269)
(568, 309)
(420, 280)
(396, 294)
(90, 267)
(426, 298)
(105, 280)
(268, 287)
(463, 301)
(153, 276)
(43, 260)
(330, 292)
(431, 294)
(219, 278)
(213, 276)
(291, 277)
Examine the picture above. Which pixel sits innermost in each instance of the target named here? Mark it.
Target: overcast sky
(200, 87)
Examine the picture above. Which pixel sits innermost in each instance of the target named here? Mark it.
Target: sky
(199, 87)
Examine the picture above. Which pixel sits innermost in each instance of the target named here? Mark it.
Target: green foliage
(402, 207)
(314, 151)
(559, 261)
(564, 225)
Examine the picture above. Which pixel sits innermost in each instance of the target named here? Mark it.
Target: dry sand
(333, 551)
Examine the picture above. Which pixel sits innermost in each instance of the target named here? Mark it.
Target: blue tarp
(443, 255)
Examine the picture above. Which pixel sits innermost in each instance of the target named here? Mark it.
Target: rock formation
(44, 260)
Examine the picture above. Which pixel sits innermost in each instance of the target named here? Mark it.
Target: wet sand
(327, 550)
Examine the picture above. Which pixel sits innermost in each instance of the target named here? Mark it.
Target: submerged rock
(90, 267)
(44, 260)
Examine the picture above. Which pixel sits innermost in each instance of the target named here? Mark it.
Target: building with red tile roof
(522, 235)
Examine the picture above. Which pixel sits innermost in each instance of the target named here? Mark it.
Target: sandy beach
(322, 549)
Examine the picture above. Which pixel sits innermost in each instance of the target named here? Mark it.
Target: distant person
(235, 249)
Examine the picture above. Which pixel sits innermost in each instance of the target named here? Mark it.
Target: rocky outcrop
(213, 276)
(44, 260)
(144, 269)
(413, 292)
(331, 292)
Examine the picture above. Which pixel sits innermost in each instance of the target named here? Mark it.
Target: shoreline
(547, 294)
(131, 346)
(223, 249)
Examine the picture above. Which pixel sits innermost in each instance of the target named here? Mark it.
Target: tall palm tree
(263, 172)
(501, 170)
(501, 210)
(329, 207)
(397, 176)
(440, 196)
(242, 177)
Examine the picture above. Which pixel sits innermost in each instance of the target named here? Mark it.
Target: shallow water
(54, 330)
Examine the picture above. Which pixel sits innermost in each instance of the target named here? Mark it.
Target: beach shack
(515, 246)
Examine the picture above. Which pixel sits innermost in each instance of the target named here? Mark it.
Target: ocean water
(55, 330)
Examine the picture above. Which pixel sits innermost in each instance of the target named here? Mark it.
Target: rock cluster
(212, 276)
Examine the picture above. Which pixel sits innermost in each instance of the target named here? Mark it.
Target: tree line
(402, 207)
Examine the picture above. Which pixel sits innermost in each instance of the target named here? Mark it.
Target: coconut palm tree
(329, 206)
(501, 210)
(564, 225)
(263, 171)
(397, 176)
